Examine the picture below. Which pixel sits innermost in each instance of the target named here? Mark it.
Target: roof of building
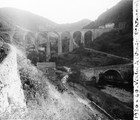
(46, 64)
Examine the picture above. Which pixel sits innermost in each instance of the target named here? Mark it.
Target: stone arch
(110, 75)
(88, 38)
(65, 37)
(77, 37)
(5, 37)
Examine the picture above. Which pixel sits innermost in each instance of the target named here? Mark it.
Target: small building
(101, 27)
(48, 68)
(109, 25)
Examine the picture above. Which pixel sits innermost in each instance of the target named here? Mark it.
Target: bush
(32, 80)
(75, 76)
(31, 86)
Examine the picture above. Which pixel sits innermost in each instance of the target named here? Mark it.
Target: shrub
(32, 85)
(32, 80)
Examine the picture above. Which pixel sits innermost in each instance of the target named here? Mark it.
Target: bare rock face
(11, 93)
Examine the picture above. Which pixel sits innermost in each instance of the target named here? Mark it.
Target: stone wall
(11, 93)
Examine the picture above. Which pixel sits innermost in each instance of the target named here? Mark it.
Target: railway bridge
(52, 39)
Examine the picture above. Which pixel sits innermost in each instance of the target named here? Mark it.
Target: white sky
(62, 11)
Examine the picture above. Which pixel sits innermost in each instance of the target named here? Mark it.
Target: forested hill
(122, 12)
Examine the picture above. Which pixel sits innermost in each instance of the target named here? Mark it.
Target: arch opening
(54, 37)
(30, 41)
(88, 38)
(77, 36)
(65, 37)
(41, 42)
(30, 46)
(110, 77)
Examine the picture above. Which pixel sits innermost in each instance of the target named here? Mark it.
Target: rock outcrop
(11, 93)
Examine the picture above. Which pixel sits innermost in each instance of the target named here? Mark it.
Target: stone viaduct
(25, 38)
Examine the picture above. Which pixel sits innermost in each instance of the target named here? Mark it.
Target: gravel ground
(120, 94)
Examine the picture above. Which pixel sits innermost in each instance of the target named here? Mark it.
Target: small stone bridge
(25, 38)
(119, 70)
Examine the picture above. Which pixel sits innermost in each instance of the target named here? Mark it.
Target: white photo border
(136, 58)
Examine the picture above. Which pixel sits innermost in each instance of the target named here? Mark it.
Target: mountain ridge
(35, 22)
(121, 12)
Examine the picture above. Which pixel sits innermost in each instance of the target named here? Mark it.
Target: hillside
(122, 12)
(5, 25)
(115, 42)
(25, 19)
(33, 22)
(75, 25)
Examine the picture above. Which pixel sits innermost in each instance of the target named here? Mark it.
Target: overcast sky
(63, 11)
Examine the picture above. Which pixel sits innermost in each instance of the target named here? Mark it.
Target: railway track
(93, 104)
(84, 99)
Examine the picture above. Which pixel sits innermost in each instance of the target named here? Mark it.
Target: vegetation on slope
(4, 49)
(43, 100)
(122, 12)
(115, 42)
(83, 58)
